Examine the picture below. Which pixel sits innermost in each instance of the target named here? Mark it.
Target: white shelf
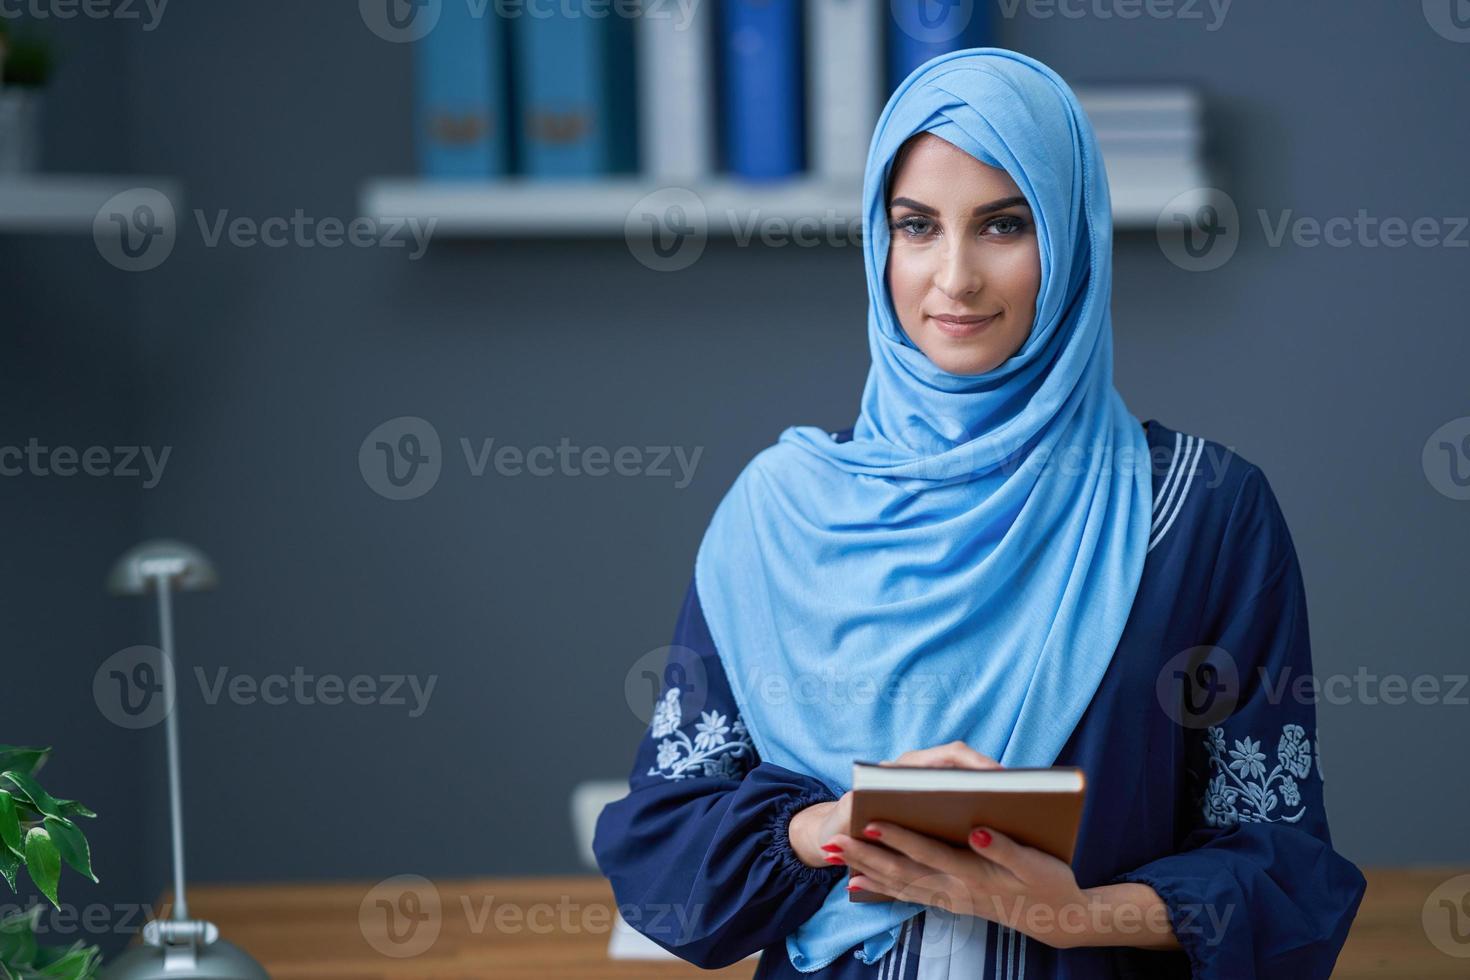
(67, 203)
(521, 207)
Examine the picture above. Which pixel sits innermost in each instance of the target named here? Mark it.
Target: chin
(960, 360)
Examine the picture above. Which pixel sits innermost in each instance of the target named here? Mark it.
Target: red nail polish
(835, 848)
(854, 888)
(873, 832)
(835, 859)
(981, 838)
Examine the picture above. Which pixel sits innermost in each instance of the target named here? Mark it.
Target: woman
(997, 565)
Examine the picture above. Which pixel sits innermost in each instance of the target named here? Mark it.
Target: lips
(963, 325)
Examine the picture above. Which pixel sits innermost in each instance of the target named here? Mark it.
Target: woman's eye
(913, 226)
(1008, 225)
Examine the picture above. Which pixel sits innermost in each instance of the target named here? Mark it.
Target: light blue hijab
(964, 566)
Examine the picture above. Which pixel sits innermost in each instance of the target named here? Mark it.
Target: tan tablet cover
(1044, 820)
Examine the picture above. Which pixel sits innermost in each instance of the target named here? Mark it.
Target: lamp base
(219, 960)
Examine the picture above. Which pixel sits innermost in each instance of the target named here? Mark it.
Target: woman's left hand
(995, 878)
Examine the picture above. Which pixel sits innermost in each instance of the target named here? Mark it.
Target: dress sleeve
(1255, 888)
(697, 852)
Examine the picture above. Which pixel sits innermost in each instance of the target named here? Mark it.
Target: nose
(958, 274)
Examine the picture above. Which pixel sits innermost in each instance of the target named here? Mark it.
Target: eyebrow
(1005, 202)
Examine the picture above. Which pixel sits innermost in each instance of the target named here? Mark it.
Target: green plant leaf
(71, 843)
(23, 758)
(76, 962)
(18, 938)
(43, 862)
(74, 809)
(9, 865)
(9, 822)
(32, 791)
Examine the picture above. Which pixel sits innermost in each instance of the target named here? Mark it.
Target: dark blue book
(919, 30)
(762, 91)
(460, 100)
(576, 93)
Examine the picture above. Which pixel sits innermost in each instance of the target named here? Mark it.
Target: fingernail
(835, 859)
(873, 832)
(835, 848)
(854, 888)
(981, 838)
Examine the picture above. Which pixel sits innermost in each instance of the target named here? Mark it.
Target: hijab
(962, 568)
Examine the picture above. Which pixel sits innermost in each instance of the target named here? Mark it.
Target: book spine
(760, 42)
(676, 89)
(460, 95)
(922, 29)
(845, 57)
(575, 112)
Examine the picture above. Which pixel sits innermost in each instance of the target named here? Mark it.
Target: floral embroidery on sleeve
(716, 749)
(1242, 790)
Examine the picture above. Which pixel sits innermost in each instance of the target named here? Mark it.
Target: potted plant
(38, 833)
(25, 67)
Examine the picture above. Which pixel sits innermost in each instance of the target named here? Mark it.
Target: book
(676, 90)
(760, 47)
(1040, 807)
(844, 76)
(575, 93)
(460, 96)
(919, 30)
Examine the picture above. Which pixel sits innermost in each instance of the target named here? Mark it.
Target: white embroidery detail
(715, 750)
(1242, 790)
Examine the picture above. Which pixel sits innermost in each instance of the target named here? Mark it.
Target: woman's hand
(815, 826)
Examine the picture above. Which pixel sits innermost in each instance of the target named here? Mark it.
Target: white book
(844, 83)
(676, 93)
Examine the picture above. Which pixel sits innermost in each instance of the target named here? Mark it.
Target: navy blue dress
(1204, 779)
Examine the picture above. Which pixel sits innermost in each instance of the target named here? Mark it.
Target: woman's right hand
(815, 825)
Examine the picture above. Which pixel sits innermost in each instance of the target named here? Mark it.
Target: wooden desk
(558, 929)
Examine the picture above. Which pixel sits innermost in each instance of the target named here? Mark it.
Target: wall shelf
(521, 207)
(67, 203)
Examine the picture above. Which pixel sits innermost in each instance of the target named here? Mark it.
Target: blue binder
(922, 29)
(576, 93)
(762, 95)
(460, 97)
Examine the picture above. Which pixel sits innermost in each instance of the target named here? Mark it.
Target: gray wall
(530, 598)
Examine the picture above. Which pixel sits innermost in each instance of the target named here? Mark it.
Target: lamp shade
(185, 566)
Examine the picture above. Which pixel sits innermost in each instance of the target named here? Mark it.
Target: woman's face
(964, 268)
